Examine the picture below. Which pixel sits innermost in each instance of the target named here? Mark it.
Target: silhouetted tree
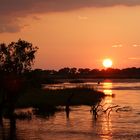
(64, 71)
(73, 71)
(15, 59)
(84, 72)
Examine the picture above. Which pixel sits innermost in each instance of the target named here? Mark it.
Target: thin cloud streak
(135, 45)
(117, 46)
(11, 10)
(82, 17)
(134, 58)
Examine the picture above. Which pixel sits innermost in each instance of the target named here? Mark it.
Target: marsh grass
(50, 99)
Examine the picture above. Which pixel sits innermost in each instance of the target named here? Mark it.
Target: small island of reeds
(50, 98)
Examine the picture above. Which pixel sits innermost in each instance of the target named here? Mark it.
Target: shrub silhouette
(16, 58)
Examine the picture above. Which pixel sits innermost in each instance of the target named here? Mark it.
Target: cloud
(9, 24)
(136, 45)
(14, 9)
(82, 17)
(134, 58)
(117, 46)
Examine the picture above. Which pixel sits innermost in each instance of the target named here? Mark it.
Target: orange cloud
(12, 10)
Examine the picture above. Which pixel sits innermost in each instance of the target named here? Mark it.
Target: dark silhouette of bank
(75, 75)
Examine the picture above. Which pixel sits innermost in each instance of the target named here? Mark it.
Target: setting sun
(107, 63)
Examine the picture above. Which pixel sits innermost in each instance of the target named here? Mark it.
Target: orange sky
(80, 37)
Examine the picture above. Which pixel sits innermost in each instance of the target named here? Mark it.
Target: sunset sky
(75, 33)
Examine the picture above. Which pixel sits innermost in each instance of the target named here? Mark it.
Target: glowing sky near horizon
(75, 33)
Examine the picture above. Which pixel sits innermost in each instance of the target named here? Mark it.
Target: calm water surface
(81, 125)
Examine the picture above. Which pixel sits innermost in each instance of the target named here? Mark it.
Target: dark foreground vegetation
(16, 61)
(43, 98)
(22, 87)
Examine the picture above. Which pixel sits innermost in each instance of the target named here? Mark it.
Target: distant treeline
(84, 73)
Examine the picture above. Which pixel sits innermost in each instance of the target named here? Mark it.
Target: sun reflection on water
(106, 128)
(107, 121)
(107, 89)
(107, 86)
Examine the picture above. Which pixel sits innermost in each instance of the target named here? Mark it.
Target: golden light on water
(107, 122)
(107, 86)
(108, 92)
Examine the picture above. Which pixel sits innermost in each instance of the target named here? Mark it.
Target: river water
(121, 124)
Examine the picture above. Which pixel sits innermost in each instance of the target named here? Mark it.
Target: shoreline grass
(48, 98)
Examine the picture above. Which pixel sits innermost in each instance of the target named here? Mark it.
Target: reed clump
(49, 98)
